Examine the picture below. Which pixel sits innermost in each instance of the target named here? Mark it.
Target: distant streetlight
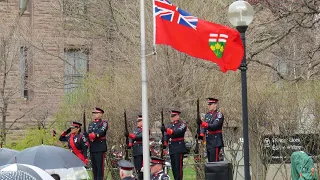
(240, 15)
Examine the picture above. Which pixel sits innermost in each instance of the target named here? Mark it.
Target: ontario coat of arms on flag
(217, 42)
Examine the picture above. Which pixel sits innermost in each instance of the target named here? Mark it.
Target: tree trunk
(3, 127)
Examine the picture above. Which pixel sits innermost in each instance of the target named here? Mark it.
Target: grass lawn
(188, 174)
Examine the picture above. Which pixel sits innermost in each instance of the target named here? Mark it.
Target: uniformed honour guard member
(135, 141)
(157, 169)
(77, 142)
(97, 132)
(126, 170)
(211, 128)
(174, 137)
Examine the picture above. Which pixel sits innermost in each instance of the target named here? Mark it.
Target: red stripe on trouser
(103, 159)
(181, 164)
(217, 154)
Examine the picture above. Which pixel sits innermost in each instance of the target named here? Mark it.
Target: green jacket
(302, 167)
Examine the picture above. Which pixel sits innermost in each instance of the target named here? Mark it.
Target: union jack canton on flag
(166, 10)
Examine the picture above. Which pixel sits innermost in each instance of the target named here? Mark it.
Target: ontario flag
(196, 37)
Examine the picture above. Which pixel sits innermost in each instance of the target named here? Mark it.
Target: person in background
(77, 142)
(211, 130)
(156, 169)
(97, 132)
(135, 141)
(126, 170)
(174, 137)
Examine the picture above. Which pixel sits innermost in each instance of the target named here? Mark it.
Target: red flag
(198, 38)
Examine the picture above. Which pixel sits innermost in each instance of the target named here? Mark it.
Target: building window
(24, 72)
(76, 66)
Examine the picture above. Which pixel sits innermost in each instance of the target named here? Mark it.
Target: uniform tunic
(177, 147)
(137, 151)
(159, 176)
(77, 143)
(213, 133)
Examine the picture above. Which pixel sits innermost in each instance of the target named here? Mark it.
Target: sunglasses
(173, 115)
(95, 112)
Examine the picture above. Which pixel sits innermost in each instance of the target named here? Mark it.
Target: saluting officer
(174, 136)
(211, 128)
(97, 131)
(136, 141)
(157, 170)
(77, 142)
(126, 168)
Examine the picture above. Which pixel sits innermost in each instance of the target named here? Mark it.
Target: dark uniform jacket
(176, 140)
(79, 140)
(137, 142)
(160, 176)
(99, 127)
(214, 131)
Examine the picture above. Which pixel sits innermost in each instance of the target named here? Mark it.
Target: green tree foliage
(33, 137)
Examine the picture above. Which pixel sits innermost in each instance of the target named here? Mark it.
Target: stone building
(43, 55)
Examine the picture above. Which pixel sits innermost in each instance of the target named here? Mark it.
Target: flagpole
(154, 28)
(145, 119)
(154, 24)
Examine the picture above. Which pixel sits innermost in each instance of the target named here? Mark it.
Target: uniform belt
(176, 139)
(138, 142)
(100, 138)
(215, 132)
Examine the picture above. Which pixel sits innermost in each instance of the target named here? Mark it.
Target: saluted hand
(68, 131)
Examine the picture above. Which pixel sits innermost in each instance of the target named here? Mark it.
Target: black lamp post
(240, 15)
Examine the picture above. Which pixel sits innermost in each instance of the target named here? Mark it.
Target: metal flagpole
(154, 25)
(145, 119)
(154, 52)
